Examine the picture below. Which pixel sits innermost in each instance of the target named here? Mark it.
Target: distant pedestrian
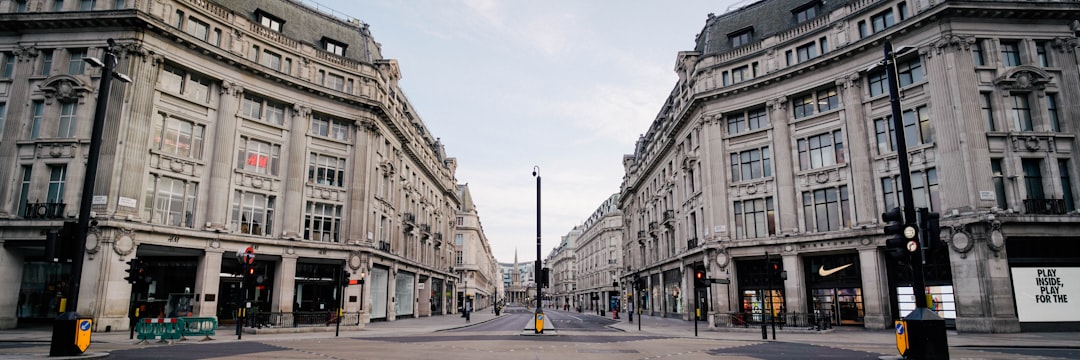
(468, 311)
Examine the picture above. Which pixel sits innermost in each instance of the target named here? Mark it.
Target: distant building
(598, 259)
(518, 281)
(776, 143)
(473, 260)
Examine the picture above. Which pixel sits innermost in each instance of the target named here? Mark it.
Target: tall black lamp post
(537, 269)
(63, 341)
(926, 329)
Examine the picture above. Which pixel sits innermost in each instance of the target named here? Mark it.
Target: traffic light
(776, 270)
(700, 281)
(928, 222)
(904, 239)
(137, 273)
(52, 246)
(249, 274)
(345, 278)
(545, 277)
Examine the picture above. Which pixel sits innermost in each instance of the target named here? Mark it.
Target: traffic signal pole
(926, 329)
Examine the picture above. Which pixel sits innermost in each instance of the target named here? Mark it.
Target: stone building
(263, 124)
(473, 260)
(562, 262)
(776, 144)
(598, 258)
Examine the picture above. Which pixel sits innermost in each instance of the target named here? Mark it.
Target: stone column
(18, 94)
(297, 173)
(794, 287)
(783, 163)
(224, 148)
(982, 281)
(285, 284)
(11, 267)
(876, 311)
(360, 180)
(859, 152)
(207, 281)
(714, 185)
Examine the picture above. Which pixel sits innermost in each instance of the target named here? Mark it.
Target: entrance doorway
(843, 306)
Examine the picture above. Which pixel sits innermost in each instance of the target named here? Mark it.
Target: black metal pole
(538, 267)
(772, 307)
(764, 296)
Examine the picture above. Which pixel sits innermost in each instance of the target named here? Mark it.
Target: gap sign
(1046, 294)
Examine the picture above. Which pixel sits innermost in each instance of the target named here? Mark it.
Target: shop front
(759, 294)
(937, 274)
(1044, 272)
(834, 286)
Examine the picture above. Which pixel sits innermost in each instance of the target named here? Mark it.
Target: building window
(256, 107)
(806, 13)
(988, 111)
(902, 7)
(917, 126)
(826, 209)
(119, 4)
(76, 65)
(38, 109)
(740, 38)
(1052, 111)
(1041, 53)
(170, 201)
(823, 44)
(46, 62)
(183, 83)
(806, 52)
(1010, 53)
(57, 182)
(3, 112)
(328, 127)
(24, 189)
(863, 30)
(322, 222)
(458, 259)
(827, 99)
(751, 164)
(178, 137)
(878, 82)
(459, 239)
(335, 81)
(821, 150)
(67, 122)
(199, 29)
(924, 190)
(748, 120)
(909, 72)
(998, 176)
(326, 170)
(258, 156)
(58, 5)
(87, 5)
(8, 69)
(460, 221)
(755, 218)
(271, 60)
(1021, 113)
(740, 74)
(1033, 182)
(977, 53)
(20, 6)
(882, 20)
(334, 47)
(803, 106)
(270, 21)
(1066, 184)
(253, 214)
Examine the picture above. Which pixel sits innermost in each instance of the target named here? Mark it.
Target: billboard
(1045, 294)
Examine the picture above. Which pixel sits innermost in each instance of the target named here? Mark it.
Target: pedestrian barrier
(166, 329)
(197, 326)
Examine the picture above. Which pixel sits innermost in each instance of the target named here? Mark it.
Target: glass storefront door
(844, 306)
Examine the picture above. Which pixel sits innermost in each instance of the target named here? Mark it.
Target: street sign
(82, 334)
(246, 256)
(901, 336)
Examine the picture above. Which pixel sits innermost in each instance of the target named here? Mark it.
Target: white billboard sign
(1047, 293)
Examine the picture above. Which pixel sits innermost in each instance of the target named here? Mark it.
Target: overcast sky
(566, 85)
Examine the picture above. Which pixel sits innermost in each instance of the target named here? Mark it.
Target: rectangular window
(755, 218)
(75, 61)
(821, 150)
(256, 107)
(751, 164)
(20, 6)
(57, 182)
(806, 52)
(740, 74)
(322, 222)
(170, 201)
(902, 7)
(119, 4)
(326, 126)
(1041, 53)
(3, 113)
(1021, 113)
(458, 257)
(740, 38)
(1033, 182)
(326, 170)
(863, 31)
(790, 57)
(36, 119)
(178, 137)
(1010, 53)
(459, 239)
(803, 106)
(826, 209)
(885, 135)
(909, 72)
(1052, 112)
(58, 5)
(977, 53)
(804, 14)
(68, 112)
(185, 84)
(198, 29)
(878, 81)
(1066, 184)
(827, 99)
(24, 189)
(882, 20)
(46, 62)
(8, 70)
(748, 120)
(258, 156)
(271, 22)
(988, 111)
(253, 214)
(998, 176)
(334, 47)
(823, 45)
(335, 81)
(87, 5)
(917, 128)
(271, 60)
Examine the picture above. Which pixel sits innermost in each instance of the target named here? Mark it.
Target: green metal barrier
(197, 326)
(167, 329)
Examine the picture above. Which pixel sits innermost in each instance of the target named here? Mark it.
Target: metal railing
(807, 321)
(300, 319)
(1045, 206)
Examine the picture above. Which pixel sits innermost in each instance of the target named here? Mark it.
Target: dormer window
(333, 46)
(741, 37)
(806, 12)
(270, 21)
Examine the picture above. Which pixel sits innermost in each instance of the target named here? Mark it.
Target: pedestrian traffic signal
(137, 273)
(776, 270)
(904, 239)
(248, 274)
(700, 280)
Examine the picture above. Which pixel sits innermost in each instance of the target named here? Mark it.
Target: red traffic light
(699, 275)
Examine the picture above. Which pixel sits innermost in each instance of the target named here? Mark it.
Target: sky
(564, 85)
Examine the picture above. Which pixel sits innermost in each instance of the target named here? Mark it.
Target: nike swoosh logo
(821, 271)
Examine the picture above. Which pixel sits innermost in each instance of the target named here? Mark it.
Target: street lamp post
(539, 317)
(926, 329)
(61, 344)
